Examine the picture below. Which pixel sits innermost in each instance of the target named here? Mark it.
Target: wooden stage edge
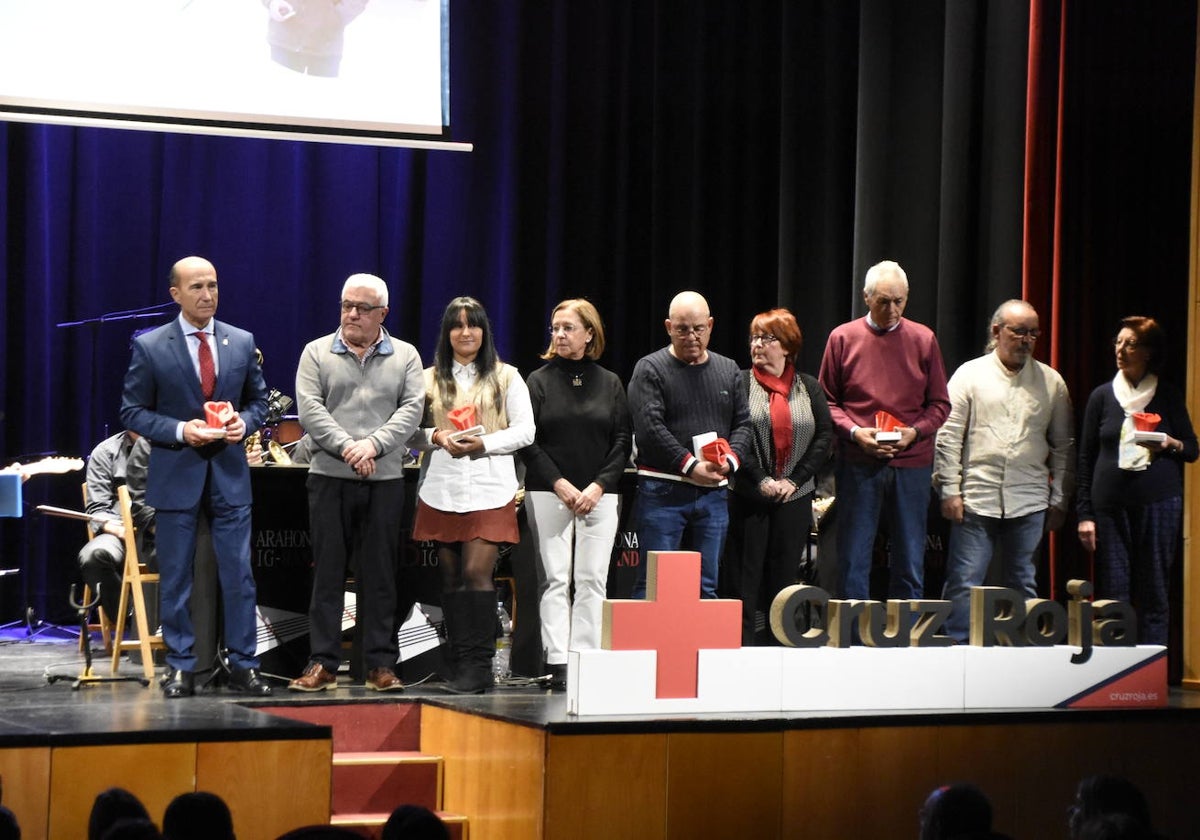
(520, 767)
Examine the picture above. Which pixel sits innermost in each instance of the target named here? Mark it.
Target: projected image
(363, 65)
(307, 35)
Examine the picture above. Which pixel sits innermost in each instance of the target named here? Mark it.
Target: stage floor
(773, 772)
(36, 711)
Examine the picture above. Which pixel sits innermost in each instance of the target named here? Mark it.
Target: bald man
(175, 369)
(676, 393)
(1003, 462)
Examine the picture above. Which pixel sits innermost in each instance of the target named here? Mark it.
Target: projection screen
(370, 71)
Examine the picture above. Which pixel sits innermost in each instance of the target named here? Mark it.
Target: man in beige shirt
(1003, 461)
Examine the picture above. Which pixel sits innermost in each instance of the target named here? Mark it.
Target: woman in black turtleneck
(573, 467)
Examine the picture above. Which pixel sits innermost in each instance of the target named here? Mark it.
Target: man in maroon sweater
(884, 362)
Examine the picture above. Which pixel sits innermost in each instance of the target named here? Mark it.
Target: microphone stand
(120, 315)
(86, 676)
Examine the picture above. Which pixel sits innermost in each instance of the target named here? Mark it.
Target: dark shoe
(248, 681)
(178, 684)
(471, 680)
(558, 677)
(384, 679)
(314, 678)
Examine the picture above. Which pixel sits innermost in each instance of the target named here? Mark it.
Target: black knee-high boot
(451, 616)
(474, 641)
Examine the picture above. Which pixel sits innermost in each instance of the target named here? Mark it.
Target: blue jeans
(864, 493)
(974, 543)
(665, 509)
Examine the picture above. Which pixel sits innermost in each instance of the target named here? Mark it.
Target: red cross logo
(673, 621)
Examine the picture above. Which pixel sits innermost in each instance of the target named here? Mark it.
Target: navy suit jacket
(162, 389)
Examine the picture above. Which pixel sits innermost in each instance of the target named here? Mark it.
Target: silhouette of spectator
(132, 828)
(320, 832)
(957, 811)
(112, 805)
(1106, 795)
(9, 829)
(412, 822)
(198, 816)
(1113, 827)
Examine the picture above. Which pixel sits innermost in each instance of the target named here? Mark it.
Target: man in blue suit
(175, 369)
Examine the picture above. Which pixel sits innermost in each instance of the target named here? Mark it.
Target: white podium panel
(778, 679)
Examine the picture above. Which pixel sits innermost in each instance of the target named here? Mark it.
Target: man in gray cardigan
(360, 394)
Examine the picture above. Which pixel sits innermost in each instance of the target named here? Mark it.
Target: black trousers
(763, 552)
(355, 525)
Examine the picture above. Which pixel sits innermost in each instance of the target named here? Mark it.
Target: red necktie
(208, 373)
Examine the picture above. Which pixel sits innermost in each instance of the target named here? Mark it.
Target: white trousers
(572, 549)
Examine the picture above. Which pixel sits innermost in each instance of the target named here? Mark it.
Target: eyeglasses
(764, 339)
(363, 308)
(684, 330)
(568, 329)
(1128, 344)
(1024, 332)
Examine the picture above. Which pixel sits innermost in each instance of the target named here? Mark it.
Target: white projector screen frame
(205, 66)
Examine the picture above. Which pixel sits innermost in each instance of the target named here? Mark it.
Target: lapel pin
(225, 341)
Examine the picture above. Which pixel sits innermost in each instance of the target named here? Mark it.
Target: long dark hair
(487, 362)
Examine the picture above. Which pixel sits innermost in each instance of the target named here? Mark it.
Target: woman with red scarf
(771, 506)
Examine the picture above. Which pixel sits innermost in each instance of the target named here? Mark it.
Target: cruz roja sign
(675, 652)
(806, 617)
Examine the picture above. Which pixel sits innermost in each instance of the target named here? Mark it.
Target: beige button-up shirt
(1008, 445)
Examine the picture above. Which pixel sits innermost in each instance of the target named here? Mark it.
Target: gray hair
(881, 270)
(372, 282)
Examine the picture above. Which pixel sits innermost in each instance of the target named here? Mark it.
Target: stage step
(362, 727)
(379, 781)
(377, 763)
(370, 825)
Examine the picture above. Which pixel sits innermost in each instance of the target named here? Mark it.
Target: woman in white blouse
(466, 502)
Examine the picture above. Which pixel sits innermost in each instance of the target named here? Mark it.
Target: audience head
(412, 822)
(1106, 795)
(581, 322)
(9, 828)
(955, 810)
(197, 816)
(112, 805)
(132, 828)
(780, 325)
(1113, 827)
(320, 832)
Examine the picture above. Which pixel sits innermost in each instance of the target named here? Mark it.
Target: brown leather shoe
(384, 679)
(314, 678)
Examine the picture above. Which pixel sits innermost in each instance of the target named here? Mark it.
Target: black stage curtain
(763, 153)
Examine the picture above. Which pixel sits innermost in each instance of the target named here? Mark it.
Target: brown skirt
(498, 525)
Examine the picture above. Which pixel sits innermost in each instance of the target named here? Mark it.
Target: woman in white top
(466, 502)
